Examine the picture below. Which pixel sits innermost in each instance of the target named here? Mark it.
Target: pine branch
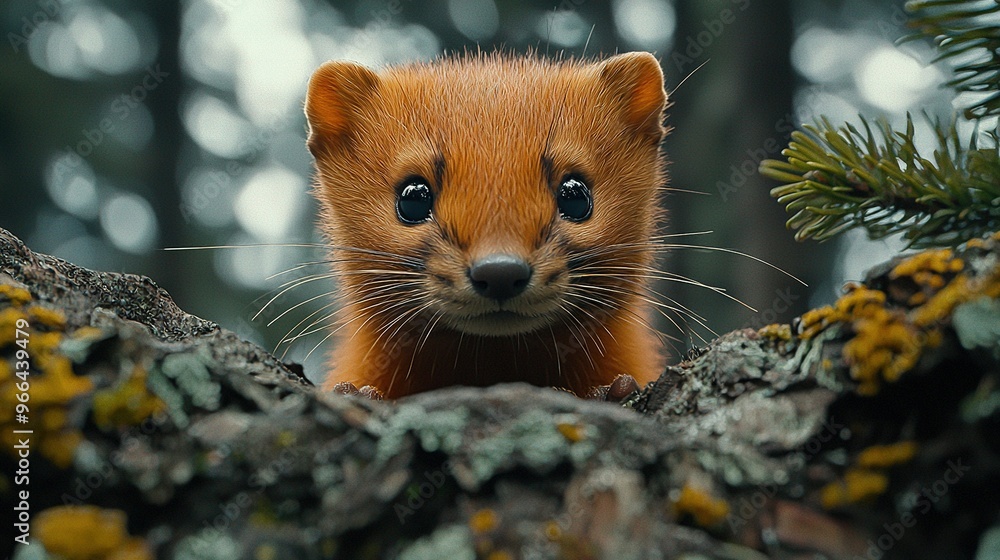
(967, 31)
(839, 178)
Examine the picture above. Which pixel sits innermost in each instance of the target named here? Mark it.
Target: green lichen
(161, 386)
(207, 544)
(534, 436)
(193, 378)
(183, 376)
(977, 324)
(438, 430)
(452, 542)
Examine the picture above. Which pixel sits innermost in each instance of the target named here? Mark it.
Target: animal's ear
(636, 82)
(337, 91)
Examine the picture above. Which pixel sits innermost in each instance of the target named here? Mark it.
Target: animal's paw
(623, 386)
(348, 388)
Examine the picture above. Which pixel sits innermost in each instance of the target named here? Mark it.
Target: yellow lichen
(552, 531)
(52, 418)
(483, 521)
(286, 438)
(918, 298)
(883, 348)
(930, 271)
(884, 344)
(779, 332)
(884, 456)
(8, 324)
(706, 510)
(960, 290)
(17, 296)
(57, 384)
(265, 552)
(939, 261)
(889, 342)
(858, 302)
(88, 533)
(572, 432)
(45, 347)
(500, 555)
(48, 317)
(128, 403)
(50, 384)
(87, 333)
(815, 320)
(132, 549)
(60, 447)
(861, 302)
(856, 486)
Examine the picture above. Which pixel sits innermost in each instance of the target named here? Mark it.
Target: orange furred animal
(490, 218)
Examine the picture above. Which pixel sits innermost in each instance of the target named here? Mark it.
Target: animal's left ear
(636, 82)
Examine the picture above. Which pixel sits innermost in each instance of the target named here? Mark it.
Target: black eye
(414, 201)
(574, 199)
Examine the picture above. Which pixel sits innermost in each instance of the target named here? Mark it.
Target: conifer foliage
(871, 176)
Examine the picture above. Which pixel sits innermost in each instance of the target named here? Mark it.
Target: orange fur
(493, 135)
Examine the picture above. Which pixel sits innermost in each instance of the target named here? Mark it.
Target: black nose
(500, 276)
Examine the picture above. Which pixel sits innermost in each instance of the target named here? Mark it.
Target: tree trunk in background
(741, 116)
(162, 176)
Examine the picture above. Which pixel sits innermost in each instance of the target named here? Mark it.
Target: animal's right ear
(636, 81)
(337, 91)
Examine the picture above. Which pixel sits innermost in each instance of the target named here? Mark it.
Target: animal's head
(493, 195)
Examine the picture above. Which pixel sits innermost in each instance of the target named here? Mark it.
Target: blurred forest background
(128, 126)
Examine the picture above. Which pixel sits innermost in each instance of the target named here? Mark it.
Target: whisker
(299, 266)
(657, 306)
(415, 312)
(634, 317)
(291, 285)
(247, 246)
(372, 301)
(308, 329)
(296, 306)
(670, 277)
(555, 346)
(733, 252)
(597, 341)
(424, 335)
(579, 335)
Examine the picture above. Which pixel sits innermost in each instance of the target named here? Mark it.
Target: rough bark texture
(868, 430)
